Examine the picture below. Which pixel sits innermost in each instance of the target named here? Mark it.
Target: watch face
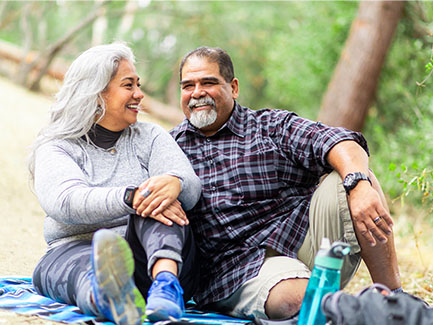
(349, 181)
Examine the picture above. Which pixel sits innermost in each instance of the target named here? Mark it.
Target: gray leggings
(63, 272)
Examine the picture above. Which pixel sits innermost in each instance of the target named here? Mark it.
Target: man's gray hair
(79, 100)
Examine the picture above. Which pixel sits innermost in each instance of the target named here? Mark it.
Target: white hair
(202, 119)
(79, 99)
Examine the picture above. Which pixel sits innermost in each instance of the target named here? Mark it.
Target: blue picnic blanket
(18, 295)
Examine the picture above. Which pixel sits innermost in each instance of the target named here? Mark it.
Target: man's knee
(285, 299)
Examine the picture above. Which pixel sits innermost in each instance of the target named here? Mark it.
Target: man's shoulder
(178, 129)
(266, 115)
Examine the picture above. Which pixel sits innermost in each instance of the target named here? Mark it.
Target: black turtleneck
(103, 137)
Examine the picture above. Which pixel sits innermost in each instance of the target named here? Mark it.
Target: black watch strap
(352, 179)
(128, 197)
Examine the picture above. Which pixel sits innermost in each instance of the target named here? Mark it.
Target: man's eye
(186, 86)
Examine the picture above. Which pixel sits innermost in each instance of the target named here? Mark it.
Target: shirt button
(113, 151)
(213, 188)
(207, 140)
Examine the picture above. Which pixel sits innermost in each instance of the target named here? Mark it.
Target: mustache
(201, 102)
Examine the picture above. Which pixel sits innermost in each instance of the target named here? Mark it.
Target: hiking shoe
(114, 292)
(165, 300)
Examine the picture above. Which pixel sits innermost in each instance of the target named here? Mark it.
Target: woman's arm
(66, 196)
(171, 178)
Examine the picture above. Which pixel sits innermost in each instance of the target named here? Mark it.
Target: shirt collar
(236, 121)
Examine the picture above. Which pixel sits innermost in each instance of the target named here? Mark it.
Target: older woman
(114, 191)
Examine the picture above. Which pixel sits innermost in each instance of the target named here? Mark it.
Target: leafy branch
(429, 69)
(415, 181)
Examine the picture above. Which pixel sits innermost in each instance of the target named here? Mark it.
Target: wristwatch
(352, 179)
(128, 197)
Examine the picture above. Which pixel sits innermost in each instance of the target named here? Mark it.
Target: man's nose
(198, 92)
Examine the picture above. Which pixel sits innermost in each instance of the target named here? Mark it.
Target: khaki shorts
(329, 217)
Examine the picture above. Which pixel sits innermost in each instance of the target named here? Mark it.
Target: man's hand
(369, 216)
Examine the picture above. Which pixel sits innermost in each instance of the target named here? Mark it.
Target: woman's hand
(156, 194)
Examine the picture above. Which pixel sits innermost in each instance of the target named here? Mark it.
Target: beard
(201, 119)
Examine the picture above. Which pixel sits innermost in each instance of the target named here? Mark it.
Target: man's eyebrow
(201, 79)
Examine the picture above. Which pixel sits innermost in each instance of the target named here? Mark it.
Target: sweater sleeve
(166, 157)
(66, 196)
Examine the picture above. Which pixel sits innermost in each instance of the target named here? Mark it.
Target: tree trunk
(353, 85)
(25, 68)
(99, 26)
(127, 20)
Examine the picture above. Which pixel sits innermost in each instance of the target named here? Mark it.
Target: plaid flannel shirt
(258, 173)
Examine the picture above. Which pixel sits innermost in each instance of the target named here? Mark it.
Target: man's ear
(235, 88)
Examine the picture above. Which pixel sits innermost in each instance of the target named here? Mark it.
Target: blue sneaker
(165, 300)
(114, 292)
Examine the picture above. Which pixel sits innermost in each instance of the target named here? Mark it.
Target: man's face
(207, 100)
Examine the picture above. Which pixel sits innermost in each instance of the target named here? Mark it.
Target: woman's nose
(138, 93)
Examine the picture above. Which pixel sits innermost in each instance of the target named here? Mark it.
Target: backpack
(376, 305)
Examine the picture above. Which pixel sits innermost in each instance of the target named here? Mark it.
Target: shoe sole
(113, 264)
(159, 315)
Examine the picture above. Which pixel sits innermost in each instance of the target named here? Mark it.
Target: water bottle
(325, 278)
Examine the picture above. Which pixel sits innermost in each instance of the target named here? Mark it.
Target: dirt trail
(22, 114)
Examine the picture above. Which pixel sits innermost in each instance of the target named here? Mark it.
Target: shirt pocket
(257, 175)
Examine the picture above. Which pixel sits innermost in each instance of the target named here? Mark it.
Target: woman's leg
(63, 274)
(153, 242)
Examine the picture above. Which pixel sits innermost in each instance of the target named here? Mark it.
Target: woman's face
(122, 97)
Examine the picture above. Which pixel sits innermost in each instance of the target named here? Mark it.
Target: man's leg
(381, 260)
(277, 271)
(329, 217)
(277, 292)
(285, 299)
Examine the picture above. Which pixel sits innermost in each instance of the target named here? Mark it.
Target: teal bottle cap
(328, 262)
(331, 256)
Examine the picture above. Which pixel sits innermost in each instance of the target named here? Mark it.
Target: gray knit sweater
(81, 186)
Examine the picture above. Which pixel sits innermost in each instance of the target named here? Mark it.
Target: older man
(264, 208)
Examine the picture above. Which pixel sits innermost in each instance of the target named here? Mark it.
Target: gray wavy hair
(79, 101)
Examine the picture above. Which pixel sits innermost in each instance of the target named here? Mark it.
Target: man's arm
(364, 201)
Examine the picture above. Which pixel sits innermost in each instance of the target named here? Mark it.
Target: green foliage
(416, 182)
(300, 66)
(400, 124)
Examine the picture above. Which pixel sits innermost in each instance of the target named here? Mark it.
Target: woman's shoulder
(68, 145)
(146, 129)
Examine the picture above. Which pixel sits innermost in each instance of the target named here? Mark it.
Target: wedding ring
(376, 220)
(145, 193)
